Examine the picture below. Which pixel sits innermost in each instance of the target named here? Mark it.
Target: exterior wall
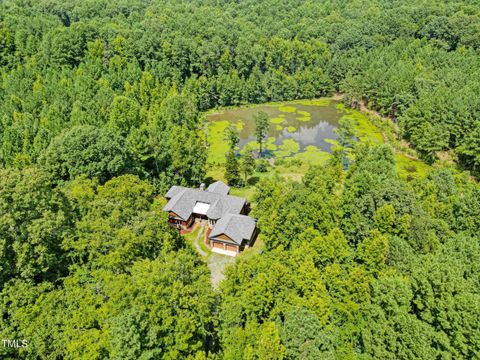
(253, 238)
(199, 217)
(188, 223)
(246, 209)
(180, 224)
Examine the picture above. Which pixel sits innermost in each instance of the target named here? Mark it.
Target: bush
(262, 165)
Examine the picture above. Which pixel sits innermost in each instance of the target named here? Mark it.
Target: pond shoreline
(294, 127)
(368, 125)
(219, 109)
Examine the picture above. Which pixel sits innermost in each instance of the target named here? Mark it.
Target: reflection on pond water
(293, 126)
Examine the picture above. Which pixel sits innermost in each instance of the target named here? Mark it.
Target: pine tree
(232, 173)
(247, 166)
(261, 128)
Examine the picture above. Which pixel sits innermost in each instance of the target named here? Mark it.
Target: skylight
(201, 208)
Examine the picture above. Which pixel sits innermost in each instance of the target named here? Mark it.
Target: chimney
(202, 186)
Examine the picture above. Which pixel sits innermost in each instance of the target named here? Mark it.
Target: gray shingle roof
(182, 200)
(219, 188)
(175, 190)
(236, 227)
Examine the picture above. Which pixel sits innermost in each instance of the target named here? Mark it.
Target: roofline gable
(217, 237)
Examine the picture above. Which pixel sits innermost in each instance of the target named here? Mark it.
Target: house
(230, 229)
(232, 233)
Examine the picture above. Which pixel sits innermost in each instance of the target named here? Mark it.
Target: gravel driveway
(216, 264)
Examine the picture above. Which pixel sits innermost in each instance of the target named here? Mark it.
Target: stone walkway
(197, 246)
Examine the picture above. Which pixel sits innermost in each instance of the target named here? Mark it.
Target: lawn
(190, 237)
(202, 245)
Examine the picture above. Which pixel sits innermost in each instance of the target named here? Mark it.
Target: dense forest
(101, 110)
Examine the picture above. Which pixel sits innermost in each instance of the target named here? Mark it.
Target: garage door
(231, 247)
(218, 245)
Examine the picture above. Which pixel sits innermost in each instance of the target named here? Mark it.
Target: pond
(294, 126)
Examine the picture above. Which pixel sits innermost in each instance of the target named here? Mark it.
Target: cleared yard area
(215, 262)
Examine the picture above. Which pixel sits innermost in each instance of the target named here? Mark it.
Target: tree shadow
(255, 237)
(208, 180)
(266, 154)
(253, 180)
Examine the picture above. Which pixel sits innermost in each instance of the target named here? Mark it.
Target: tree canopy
(102, 109)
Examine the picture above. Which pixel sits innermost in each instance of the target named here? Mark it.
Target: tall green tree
(34, 219)
(232, 170)
(87, 150)
(247, 166)
(232, 137)
(261, 128)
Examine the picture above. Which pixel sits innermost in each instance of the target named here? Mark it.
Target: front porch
(186, 227)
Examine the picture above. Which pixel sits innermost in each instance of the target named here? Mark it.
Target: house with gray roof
(230, 229)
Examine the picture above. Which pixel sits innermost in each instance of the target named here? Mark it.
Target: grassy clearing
(190, 237)
(215, 172)
(246, 192)
(408, 168)
(363, 127)
(291, 168)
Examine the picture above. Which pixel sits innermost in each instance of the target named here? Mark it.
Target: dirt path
(197, 246)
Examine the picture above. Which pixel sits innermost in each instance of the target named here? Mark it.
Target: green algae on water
(287, 109)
